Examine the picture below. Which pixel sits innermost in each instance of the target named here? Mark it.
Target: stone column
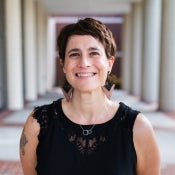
(126, 52)
(30, 50)
(14, 54)
(136, 63)
(51, 56)
(3, 87)
(151, 50)
(167, 70)
(41, 52)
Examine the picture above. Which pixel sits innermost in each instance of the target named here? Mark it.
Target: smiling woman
(88, 133)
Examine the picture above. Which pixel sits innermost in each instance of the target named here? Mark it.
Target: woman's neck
(89, 108)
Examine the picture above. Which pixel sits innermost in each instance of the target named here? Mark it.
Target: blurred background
(144, 31)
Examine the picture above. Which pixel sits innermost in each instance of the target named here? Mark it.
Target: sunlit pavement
(11, 126)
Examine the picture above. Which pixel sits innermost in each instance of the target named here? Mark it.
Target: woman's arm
(148, 155)
(28, 145)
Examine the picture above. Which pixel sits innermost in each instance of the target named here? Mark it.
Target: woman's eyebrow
(73, 50)
(90, 49)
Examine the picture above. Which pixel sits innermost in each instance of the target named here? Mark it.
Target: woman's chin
(87, 89)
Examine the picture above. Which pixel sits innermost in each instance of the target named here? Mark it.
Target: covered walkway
(28, 57)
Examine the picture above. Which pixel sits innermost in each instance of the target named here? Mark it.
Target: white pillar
(167, 70)
(51, 56)
(41, 52)
(30, 50)
(136, 63)
(14, 54)
(151, 50)
(3, 87)
(126, 50)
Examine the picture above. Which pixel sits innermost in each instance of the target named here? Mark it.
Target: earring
(67, 90)
(108, 87)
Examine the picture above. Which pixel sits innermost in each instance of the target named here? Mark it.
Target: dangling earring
(108, 87)
(67, 90)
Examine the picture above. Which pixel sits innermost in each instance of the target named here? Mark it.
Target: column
(167, 69)
(51, 56)
(14, 54)
(41, 52)
(126, 50)
(30, 62)
(2, 57)
(151, 50)
(136, 62)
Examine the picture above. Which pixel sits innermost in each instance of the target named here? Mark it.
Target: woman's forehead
(84, 41)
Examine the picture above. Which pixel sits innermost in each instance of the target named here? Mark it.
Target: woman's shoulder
(146, 146)
(45, 113)
(127, 110)
(145, 142)
(127, 115)
(142, 127)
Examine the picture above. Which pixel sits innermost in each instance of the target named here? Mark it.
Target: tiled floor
(10, 168)
(168, 170)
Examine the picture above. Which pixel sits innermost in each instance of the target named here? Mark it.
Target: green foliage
(114, 80)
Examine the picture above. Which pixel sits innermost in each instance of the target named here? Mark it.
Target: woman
(86, 133)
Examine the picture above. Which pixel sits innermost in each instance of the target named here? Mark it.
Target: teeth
(85, 75)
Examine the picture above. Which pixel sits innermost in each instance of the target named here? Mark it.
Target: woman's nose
(84, 62)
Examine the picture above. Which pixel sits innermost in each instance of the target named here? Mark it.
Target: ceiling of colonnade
(88, 7)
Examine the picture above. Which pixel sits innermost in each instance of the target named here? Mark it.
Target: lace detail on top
(43, 114)
(86, 145)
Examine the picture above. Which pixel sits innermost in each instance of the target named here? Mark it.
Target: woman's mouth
(85, 74)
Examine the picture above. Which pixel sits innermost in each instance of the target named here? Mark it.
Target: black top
(64, 150)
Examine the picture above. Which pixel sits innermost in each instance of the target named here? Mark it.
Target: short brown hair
(87, 26)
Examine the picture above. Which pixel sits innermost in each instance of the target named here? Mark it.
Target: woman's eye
(74, 55)
(94, 53)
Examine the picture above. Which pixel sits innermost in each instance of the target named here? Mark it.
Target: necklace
(87, 132)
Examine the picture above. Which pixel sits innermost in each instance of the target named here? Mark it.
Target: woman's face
(86, 64)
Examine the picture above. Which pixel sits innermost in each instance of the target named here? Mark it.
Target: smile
(85, 74)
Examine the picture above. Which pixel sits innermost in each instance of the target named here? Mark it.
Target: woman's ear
(111, 62)
(61, 62)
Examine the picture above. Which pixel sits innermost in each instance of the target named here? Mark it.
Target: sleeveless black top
(64, 150)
